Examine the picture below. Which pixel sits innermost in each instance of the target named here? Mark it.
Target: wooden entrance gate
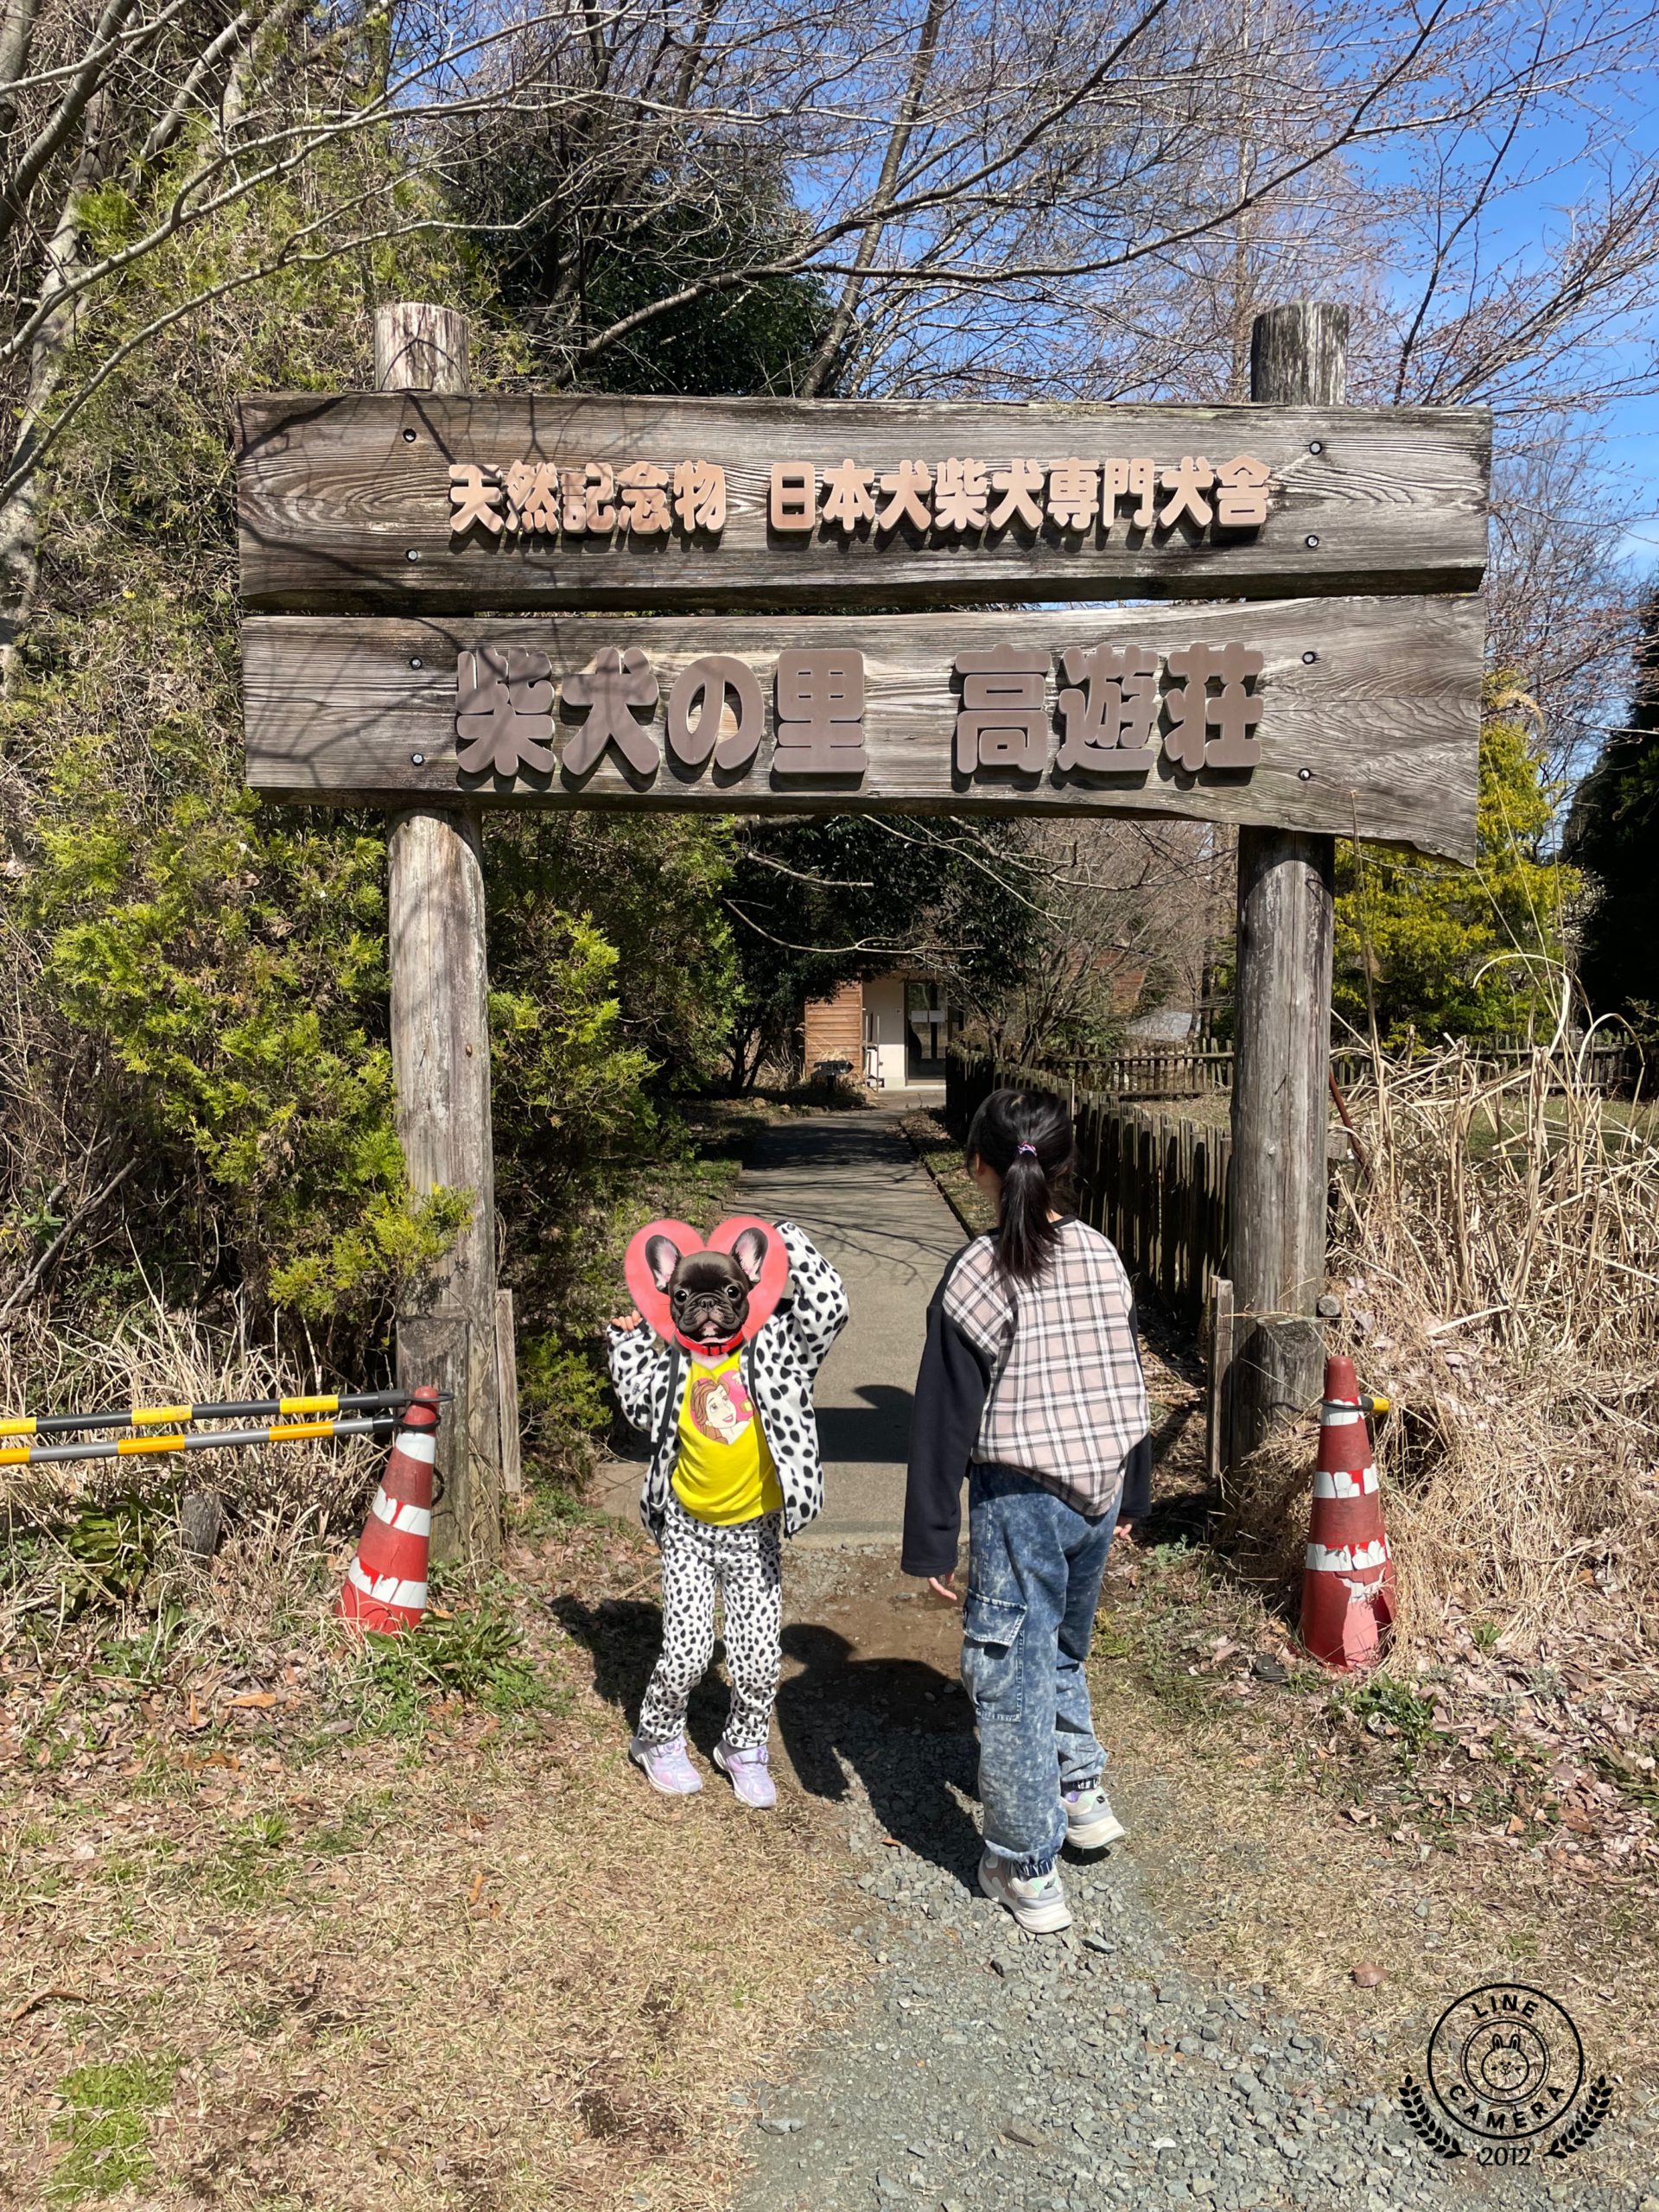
(457, 602)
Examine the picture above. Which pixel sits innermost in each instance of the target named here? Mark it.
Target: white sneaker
(1037, 1901)
(1091, 1823)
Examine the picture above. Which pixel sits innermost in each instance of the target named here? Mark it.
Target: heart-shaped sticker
(656, 1250)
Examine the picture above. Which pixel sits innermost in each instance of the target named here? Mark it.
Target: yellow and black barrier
(212, 1440)
(384, 1403)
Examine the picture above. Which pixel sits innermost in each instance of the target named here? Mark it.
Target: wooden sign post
(459, 603)
(439, 966)
(1282, 1018)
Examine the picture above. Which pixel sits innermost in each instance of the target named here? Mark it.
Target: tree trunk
(20, 529)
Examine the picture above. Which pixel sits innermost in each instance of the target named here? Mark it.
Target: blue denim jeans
(1033, 1582)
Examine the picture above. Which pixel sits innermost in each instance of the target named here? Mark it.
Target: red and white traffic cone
(1348, 1573)
(385, 1584)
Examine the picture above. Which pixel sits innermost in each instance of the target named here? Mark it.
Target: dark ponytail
(1025, 1136)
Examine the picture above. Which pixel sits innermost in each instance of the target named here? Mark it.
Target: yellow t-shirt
(724, 1473)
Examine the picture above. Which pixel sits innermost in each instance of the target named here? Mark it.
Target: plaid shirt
(1067, 1400)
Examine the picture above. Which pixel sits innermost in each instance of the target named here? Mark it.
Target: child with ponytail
(1031, 1387)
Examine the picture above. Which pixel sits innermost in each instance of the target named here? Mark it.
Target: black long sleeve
(1136, 1501)
(951, 1387)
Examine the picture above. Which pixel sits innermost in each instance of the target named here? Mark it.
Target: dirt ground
(293, 1938)
(315, 1934)
(290, 1926)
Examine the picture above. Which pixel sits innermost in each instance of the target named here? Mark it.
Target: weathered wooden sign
(1355, 716)
(397, 500)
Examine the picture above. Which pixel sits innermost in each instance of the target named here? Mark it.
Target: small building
(893, 1031)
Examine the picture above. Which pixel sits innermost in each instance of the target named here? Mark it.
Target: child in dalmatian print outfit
(735, 1467)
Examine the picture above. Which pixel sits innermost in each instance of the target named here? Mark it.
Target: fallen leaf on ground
(260, 1698)
(44, 1996)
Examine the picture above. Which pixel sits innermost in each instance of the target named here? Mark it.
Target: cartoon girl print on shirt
(721, 1407)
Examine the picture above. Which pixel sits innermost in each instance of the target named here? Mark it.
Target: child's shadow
(624, 1635)
(871, 1716)
(837, 1713)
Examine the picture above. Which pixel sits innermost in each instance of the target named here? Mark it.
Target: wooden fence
(1164, 1072)
(1156, 1184)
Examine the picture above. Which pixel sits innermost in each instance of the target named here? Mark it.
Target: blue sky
(1563, 156)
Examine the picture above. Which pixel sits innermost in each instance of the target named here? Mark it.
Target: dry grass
(1501, 1283)
(1285, 1843)
(156, 1355)
(315, 1939)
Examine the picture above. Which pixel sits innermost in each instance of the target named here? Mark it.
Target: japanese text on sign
(941, 502)
(1119, 707)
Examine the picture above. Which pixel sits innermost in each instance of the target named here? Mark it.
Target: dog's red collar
(710, 1351)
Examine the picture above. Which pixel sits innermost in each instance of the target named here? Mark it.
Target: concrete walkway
(855, 1187)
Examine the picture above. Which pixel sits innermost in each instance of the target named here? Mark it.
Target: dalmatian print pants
(744, 1564)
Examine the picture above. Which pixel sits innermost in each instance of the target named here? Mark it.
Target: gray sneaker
(1091, 1823)
(1032, 1894)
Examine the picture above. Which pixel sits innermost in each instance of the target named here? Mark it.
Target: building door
(926, 1032)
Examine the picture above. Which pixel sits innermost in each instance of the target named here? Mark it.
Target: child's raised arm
(818, 1304)
(635, 1356)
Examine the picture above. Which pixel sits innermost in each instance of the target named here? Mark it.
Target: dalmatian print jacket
(779, 1369)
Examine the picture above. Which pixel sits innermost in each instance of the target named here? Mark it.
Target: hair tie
(1031, 1148)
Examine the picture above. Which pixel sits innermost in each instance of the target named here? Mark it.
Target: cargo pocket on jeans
(992, 1669)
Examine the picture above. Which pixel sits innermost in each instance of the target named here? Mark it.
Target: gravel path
(985, 2070)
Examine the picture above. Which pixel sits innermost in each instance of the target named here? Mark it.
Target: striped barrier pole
(137, 1447)
(385, 1402)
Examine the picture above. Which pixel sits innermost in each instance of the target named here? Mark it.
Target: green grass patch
(1639, 1781)
(105, 2126)
(142, 1661)
(1395, 1703)
(248, 1867)
(478, 1657)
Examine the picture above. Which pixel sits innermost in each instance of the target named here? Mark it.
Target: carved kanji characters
(820, 713)
(573, 501)
(908, 488)
(1128, 480)
(698, 709)
(849, 496)
(1073, 494)
(644, 488)
(959, 496)
(615, 684)
(1195, 710)
(474, 497)
(599, 480)
(588, 499)
(1004, 720)
(504, 712)
(1020, 484)
(700, 496)
(794, 495)
(1186, 484)
(1107, 723)
(1242, 492)
(1236, 713)
(532, 490)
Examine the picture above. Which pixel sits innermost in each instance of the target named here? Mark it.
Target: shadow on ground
(870, 1693)
(874, 1433)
